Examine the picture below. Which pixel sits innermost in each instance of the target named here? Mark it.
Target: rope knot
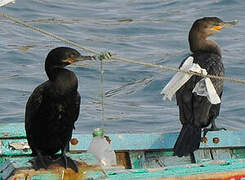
(104, 56)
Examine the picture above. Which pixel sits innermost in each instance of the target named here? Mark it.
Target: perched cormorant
(196, 112)
(52, 110)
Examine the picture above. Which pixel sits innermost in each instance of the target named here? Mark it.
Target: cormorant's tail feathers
(188, 141)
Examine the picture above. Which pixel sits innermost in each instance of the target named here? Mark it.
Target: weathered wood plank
(202, 155)
(123, 159)
(151, 150)
(188, 171)
(178, 171)
(128, 141)
(159, 159)
(156, 159)
(21, 167)
(221, 154)
(137, 141)
(238, 153)
(14, 147)
(230, 175)
(93, 172)
(163, 141)
(12, 130)
(222, 139)
(137, 159)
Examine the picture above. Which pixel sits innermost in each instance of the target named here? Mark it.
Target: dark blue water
(148, 31)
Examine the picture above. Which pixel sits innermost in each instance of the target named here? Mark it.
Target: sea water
(148, 31)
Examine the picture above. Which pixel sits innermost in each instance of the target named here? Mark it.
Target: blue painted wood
(7, 150)
(137, 159)
(156, 159)
(10, 130)
(159, 159)
(128, 141)
(221, 154)
(162, 141)
(137, 141)
(179, 172)
(238, 153)
(226, 139)
(174, 171)
(10, 167)
(143, 150)
(202, 155)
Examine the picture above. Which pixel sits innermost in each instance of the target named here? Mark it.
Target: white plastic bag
(5, 2)
(206, 88)
(178, 80)
(203, 88)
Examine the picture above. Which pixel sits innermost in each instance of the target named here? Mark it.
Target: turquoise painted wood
(7, 147)
(125, 174)
(162, 141)
(202, 155)
(178, 171)
(21, 162)
(9, 130)
(150, 154)
(137, 141)
(129, 141)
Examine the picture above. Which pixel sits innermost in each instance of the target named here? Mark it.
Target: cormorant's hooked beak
(79, 58)
(225, 24)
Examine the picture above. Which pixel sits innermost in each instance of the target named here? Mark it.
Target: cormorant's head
(207, 26)
(63, 56)
(201, 29)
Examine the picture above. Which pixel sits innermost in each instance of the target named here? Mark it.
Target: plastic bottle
(101, 149)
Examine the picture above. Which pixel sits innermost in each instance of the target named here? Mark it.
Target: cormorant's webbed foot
(212, 128)
(67, 162)
(41, 162)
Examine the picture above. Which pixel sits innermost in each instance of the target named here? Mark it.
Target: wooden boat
(139, 156)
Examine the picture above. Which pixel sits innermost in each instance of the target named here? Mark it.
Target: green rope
(101, 57)
(102, 93)
(119, 58)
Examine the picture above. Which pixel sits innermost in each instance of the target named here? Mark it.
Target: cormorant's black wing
(77, 107)
(32, 108)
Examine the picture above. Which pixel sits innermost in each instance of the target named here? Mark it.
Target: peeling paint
(56, 172)
(19, 145)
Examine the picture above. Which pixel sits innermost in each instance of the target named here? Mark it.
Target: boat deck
(139, 156)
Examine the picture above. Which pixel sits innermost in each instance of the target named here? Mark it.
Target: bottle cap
(98, 132)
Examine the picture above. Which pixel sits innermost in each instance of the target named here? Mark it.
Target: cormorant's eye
(73, 55)
(216, 24)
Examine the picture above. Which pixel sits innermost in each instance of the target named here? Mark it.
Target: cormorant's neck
(52, 72)
(198, 42)
(63, 80)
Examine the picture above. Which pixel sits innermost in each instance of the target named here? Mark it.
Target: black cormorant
(196, 112)
(52, 110)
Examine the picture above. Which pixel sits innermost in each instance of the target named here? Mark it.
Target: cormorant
(52, 110)
(196, 112)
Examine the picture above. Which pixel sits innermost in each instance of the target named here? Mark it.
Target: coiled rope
(116, 57)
